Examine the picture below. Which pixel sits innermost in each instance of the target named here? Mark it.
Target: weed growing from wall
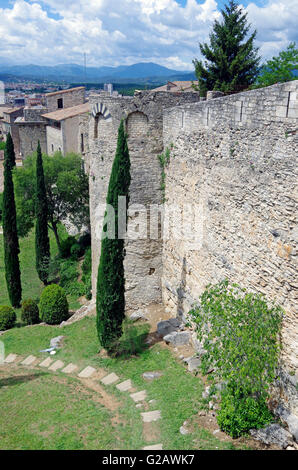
(164, 160)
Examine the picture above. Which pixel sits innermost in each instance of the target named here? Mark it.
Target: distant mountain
(142, 72)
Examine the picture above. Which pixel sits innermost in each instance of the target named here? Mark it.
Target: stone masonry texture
(235, 159)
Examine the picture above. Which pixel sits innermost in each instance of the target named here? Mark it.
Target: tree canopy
(280, 68)
(231, 60)
(67, 192)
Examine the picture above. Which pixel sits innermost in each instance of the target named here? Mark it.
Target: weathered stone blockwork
(143, 115)
(236, 157)
(70, 97)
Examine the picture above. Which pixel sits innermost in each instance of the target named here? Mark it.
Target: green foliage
(10, 235)
(241, 336)
(110, 299)
(76, 251)
(42, 242)
(66, 245)
(86, 277)
(30, 312)
(67, 192)
(85, 241)
(68, 272)
(2, 145)
(231, 60)
(1, 206)
(237, 415)
(132, 342)
(279, 69)
(53, 305)
(164, 160)
(7, 318)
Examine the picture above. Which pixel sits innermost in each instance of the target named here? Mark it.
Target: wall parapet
(250, 109)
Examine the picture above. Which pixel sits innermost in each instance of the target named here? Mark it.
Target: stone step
(69, 369)
(150, 416)
(46, 362)
(29, 360)
(124, 386)
(87, 372)
(110, 379)
(57, 365)
(153, 447)
(10, 358)
(139, 396)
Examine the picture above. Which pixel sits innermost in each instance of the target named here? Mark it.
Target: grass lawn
(37, 407)
(31, 285)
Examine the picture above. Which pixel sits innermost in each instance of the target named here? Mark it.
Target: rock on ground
(178, 338)
(168, 326)
(273, 434)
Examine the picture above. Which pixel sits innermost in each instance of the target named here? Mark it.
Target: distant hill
(142, 72)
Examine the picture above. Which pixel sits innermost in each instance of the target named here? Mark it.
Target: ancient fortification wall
(143, 116)
(236, 159)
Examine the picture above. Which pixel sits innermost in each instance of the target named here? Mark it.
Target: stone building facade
(234, 159)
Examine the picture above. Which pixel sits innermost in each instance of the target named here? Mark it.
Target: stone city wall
(235, 160)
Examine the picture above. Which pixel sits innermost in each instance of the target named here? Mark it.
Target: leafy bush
(68, 272)
(76, 251)
(7, 317)
(30, 312)
(238, 415)
(53, 305)
(75, 288)
(66, 245)
(1, 206)
(87, 263)
(241, 336)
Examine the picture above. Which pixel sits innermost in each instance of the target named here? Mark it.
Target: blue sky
(116, 32)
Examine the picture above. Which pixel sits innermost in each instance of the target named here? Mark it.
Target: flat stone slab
(150, 416)
(110, 379)
(28, 361)
(151, 375)
(139, 396)
(154, 447)
(46, 362)
(57, 365)
(177, 338)
(87, 372)
(124, 386)
(10, 358)
(69, 368)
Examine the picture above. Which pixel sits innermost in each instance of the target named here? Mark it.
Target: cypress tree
(110, 297)
(231, 61)
(42, 243)
(10, 236)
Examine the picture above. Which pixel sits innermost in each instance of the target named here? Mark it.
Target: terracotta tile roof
(177, 86)
(65, 91)
(13, 110)
(66, 113)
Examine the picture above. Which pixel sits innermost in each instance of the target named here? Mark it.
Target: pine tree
(110, 297)
(10, 236)
(42, 243)
(231, 61)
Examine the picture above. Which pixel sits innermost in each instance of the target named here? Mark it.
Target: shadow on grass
(133, 341)
(18, 379)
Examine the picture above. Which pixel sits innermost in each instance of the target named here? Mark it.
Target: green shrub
(238, 415)
(7, 318)
(87, 263)
(53, 305)
(76, 251)
(68, 272)
(1, 206)
(66, 245)
(240, 333)
(75, 288)
(30, 312)
(88, 285)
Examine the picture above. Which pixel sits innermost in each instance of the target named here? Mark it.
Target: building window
(82, 142)
(60, 103)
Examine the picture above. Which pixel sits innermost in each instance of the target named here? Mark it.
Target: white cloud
(115, 32)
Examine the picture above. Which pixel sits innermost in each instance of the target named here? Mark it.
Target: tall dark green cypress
(231, 61)
(42, 243)
(110, 296)
(10, 235)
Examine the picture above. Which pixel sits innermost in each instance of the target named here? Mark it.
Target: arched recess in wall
(100, 114)
(137, 124)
